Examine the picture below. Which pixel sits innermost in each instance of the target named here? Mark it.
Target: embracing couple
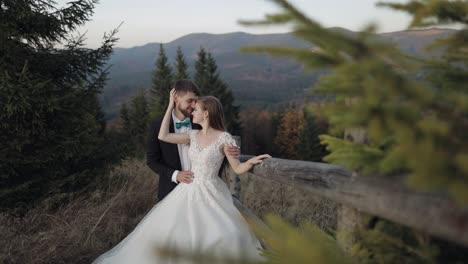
(195, 213)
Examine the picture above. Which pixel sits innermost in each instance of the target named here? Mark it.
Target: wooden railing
(433, 213)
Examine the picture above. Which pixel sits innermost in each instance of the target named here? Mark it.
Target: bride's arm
(242, 167)
(164, 134)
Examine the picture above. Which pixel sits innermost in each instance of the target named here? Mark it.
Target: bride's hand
(258, 159)
(172, 95)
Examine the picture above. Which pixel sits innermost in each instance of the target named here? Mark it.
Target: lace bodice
(207, 161)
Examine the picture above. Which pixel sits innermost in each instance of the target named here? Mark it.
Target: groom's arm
(154, 155)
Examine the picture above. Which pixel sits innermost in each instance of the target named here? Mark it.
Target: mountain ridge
(254, 78)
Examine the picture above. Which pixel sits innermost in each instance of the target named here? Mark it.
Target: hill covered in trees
(255, 79)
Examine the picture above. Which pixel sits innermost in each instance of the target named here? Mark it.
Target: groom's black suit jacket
(162, 157)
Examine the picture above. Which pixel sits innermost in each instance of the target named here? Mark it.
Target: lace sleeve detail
(228, 139)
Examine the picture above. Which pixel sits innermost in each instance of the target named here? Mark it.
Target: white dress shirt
(183, 148)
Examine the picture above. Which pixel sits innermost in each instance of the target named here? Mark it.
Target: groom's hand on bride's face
(233, 151)
(185, 176)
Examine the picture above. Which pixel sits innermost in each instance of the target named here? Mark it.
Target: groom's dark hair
(185, 85)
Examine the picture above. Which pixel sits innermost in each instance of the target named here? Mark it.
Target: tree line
(288, 133)
(292, 132)
(145, 106)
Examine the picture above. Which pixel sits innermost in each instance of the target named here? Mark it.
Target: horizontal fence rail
(433, 213)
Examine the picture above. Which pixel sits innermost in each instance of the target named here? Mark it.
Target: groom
(171, 161)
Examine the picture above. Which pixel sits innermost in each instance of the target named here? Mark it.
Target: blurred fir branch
(414, 109)
(284, 242)
(387, 242)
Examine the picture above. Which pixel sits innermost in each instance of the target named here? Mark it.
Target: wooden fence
(389, 198)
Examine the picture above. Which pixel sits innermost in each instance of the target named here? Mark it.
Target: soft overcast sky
(147, 21)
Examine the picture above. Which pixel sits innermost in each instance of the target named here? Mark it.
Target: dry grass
(83, 227)
(86, 226)
(294, 205)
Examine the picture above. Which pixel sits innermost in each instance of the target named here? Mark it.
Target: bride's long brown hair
(215, 111)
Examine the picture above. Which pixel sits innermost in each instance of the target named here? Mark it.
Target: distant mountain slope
(254, 78)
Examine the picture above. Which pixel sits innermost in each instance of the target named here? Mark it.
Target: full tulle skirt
(199, 217)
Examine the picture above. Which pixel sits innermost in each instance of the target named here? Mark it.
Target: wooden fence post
(350, 221)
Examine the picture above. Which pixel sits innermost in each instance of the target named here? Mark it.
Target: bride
(199, 217)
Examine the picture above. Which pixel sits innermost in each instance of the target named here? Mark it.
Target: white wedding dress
(197, 217)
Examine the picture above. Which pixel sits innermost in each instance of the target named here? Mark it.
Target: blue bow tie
(185, 123)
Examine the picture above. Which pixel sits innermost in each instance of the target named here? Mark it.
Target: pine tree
(310, 148)
(125, 119)
(162, 84)
(139, 118)
(51, 123)
(258, 132)
(200, 71)
(180, 66)
(289, 132)
(416, 122)
(207, 76)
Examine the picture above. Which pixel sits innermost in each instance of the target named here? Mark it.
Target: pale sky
(146, 21)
